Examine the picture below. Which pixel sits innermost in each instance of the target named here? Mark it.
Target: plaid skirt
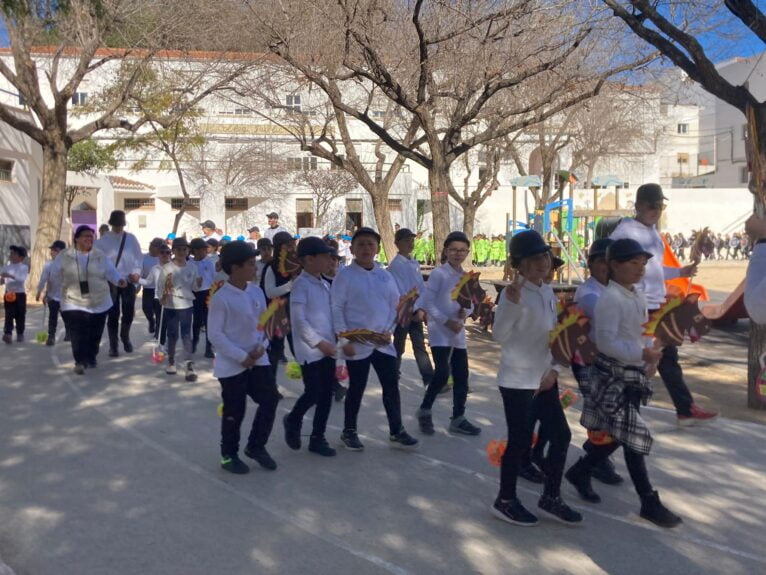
(612, 404)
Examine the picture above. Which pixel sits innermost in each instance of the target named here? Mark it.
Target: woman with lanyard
(85, 273)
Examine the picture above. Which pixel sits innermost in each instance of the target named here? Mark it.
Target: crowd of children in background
(718, 246)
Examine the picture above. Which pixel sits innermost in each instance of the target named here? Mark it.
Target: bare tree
(674, 29)
(467, 72)
(326, 186)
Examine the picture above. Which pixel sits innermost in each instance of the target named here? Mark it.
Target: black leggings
(522, 409)
(449, 360)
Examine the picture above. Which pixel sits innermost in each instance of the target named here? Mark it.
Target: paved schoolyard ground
(117, 472)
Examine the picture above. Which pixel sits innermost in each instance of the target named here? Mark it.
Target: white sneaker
(190, 375)
(171, 368)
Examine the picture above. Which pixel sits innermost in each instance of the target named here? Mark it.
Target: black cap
(365, 231)
(57, 245)
(198, 244)
(527, 243)
(156, 242)
(117, 218)
(180, 243)
(236, 253)
(456, 237)
(209, 224)
(253, 229)
(624, 250)
(403, 234)
(21, 250)
(650, 194)
(212, 242)
(264, 243)
(274, 215)
(598, 248)
(281, 238)
(313, 246)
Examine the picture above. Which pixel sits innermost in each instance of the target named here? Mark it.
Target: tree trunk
(51, 209)
(440, 183)
(469, 218)
(182, 184)
(756, 398)
(383, 221)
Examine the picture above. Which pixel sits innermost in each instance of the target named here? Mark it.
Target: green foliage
(88, 157)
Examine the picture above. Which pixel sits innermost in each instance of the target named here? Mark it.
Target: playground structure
(567, 229)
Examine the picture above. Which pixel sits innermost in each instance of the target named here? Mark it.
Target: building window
(137, 203)
(683, 158)
(6, 170)
(683, 128)
(394, 205)
(293, 102)
(236, 204)
(192, 204)
(79, 98)
(243, 112)
(141, 221)
(22, 101)
(304, 213)
(744, 175)
(483, 173)
(304, 163)
(354, 218)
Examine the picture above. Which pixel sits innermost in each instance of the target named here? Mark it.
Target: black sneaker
(403, 440)
(425, 422)
(560, 511)
(653, 510)
(463, 426)
(92, 364)
(262, 456)
(209, 353)
(340, 393)
(320, 446)
(127, 346)
(79, 369)
(234, 464)
(351, 440)
(50, 341)
(512, 511)
(292, 432)
(67, 337)
(113, 352)
(579, 477)
(532, 474)
(151, 328)
(606, 473)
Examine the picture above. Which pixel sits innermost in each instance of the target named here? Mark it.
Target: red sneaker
(697, 416)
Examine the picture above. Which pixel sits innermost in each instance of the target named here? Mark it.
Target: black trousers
(673, 378)
(16, 313)
(522, 409)
(199, 319)
(85, 330)
(454, 360)
(54, 308)
(415, 331)
(147, 306)
(162, 323)
(318, 379)
(276, 351)
(635, 461)
(123, 304)
(258, 384)
(358, 372)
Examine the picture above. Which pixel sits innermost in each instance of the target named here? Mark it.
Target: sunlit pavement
(118, 472)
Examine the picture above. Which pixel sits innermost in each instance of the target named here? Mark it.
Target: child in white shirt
(14, 275)
(314, 343)
(618, 377)
(241, 363)
(206, 273)
(176, 284)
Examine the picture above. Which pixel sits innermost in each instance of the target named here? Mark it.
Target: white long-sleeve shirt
(271, 287)
(365, 299)
(653, 282)
(147, 264)
(183, 280)
(441, 308)
(406, 272)
(523, 330)
(232, 326)
(19, 271)
(51, 283)
(620, 318)
(131, 259)
(586, 297)
(755, 286)
(150, 281)
(206, 271)
(310, 317)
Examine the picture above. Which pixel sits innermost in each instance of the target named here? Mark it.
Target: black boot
(579, 476)
(125, 337)
(653, 510)
(604, 471)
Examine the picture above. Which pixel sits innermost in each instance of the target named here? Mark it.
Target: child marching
(364, 300)
(51, 284)
(14, 276)
(241, 364)
(618, 380)
(206, 275)
(314, 342)
(446, 334)
(525, 315)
